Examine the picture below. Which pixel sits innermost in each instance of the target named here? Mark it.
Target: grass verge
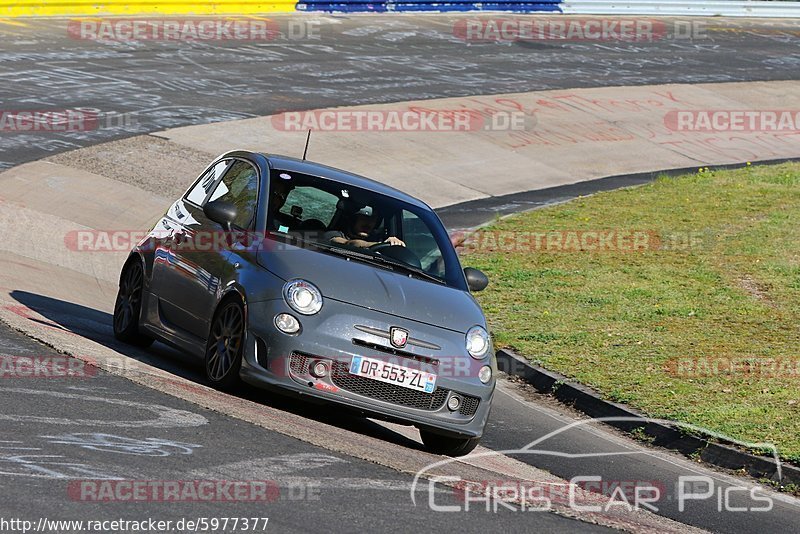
(680, 298)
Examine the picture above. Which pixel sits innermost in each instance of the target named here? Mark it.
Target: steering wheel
(377, 247)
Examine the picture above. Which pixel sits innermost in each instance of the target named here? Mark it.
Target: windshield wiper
(409, 269)
(384, 261)
(354, 254)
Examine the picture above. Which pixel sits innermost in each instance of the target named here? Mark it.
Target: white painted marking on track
(19, 463)
(166, 417)
(124, 445)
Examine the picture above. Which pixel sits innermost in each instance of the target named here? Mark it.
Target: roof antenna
(305, 150)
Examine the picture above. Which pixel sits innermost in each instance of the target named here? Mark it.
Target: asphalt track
(519, 418)
(355, 62)
(349, 60)
(150, 436)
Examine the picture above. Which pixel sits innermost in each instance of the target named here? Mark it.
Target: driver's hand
(394, 241)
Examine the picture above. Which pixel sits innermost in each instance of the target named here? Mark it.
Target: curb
(473, 214)
(664, 435)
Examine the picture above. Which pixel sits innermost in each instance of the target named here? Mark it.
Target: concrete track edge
(33, 183)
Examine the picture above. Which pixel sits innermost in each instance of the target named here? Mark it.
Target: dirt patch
(756, 289)
(147, 162)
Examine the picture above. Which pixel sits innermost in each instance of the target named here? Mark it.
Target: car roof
(286, 163)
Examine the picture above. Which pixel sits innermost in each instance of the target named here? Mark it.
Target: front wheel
(448, 446)
(128, 307)
(225, 346)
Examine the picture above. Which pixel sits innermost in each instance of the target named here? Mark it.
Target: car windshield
(335, 218)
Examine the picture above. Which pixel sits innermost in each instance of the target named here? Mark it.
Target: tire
(448, 446)
(225, 346)
(128, 307)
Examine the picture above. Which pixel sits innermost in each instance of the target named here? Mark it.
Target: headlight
(302, 296)
(477, 342)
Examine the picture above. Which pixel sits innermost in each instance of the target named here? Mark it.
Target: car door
(202, 258)
(180, 271)
(178, 218)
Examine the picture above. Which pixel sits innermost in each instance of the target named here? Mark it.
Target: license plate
(393, 374)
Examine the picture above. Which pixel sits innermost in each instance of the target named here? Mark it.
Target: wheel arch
(132, 257)
(232, 292)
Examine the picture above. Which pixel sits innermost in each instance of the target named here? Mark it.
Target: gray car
(304, 279)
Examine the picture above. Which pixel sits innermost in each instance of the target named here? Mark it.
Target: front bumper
(275, 360)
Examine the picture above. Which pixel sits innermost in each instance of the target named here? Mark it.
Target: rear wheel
(225, 346)
(128, 307)
(448, 446)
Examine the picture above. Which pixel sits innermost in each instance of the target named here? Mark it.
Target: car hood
(374, 288)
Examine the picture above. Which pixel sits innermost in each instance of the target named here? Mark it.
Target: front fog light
(454, 403)
(319, 369)
(485, 374)
(287, 323)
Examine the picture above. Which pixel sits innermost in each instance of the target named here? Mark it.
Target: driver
(362, 225)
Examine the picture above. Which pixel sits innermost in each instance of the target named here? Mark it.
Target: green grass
(724, 282)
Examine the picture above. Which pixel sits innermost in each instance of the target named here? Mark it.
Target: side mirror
(221, 212)
(476, 280)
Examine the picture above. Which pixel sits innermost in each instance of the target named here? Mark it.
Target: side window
(315, 203)
(199, 192)
(239, 186)
(420, 241)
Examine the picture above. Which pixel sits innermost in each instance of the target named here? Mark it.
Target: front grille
(341, 377)
(298, 363)
(387, 392)
(469, 405)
